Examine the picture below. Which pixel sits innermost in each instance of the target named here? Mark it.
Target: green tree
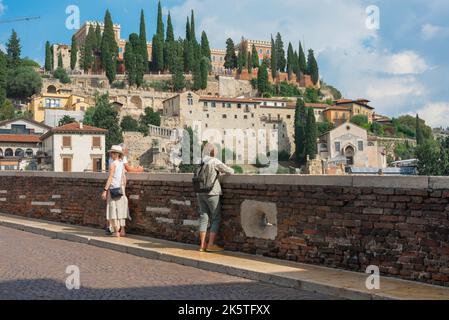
(47, 66)
(204, 69)
(249, 63)
(312, 95)
(150, 117)
(312, 67)
(13, 50)
(262, 79)
(311, 135)
(89, 116)
(129, 58)
(106, 116)
(280, 53)
(300, 125)
(109, 48)
(73, 53)
(129, 124)
(97, 37)
(66, 120)
(419, 133)
(23, 82)
(169, 53)
(302, 59)
(61, 75)
(255, 57)
(192, 28)
(359, 120)
(60, 63)
(230, 57)
(178, 78)
(274, 59)
(7, 111)
(158, 43)
(143, 41)
(205, 48)
(3, 77)
(433, 158)
(290, 61)
(197, 76)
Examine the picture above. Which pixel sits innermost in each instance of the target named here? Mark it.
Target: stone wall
(397, 223)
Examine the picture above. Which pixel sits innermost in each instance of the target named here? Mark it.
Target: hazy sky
(402, 67)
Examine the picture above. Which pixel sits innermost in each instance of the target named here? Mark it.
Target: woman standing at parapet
(114, 193)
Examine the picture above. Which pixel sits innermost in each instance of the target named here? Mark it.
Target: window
(360, 145)
(337, 146)
(344, 115)
(97, 164)
(205, 103)
(229, 105)
(67, 164)
(235, 117)
(189, 99)
(207, 115)
(82, 108)
(213, 58)
(260, 51)
(213, 104)
(96, 142)
(224, 105)
(239, 106)
(289, 116)
(66, 142)
(78, 100)
(268, 51)
(245, 117)
(224, 116)
(221, 59)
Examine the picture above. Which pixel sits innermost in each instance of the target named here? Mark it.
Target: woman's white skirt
(117, 209)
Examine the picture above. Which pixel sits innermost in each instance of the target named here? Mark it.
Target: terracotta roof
(24, 138)
(223, 99)
(317, 105)
(280, 99)
(362, 102)
(74, 128)
(341, 108)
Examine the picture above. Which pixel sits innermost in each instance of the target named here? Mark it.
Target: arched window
(51, 89)
(19, 153)
(29, 153)
(1, 153)
(9, 153)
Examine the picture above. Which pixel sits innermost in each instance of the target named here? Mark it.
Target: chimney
(81, 125)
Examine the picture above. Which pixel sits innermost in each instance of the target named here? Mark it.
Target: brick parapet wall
(400, 224)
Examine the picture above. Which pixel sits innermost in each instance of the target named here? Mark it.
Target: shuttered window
(66, 142)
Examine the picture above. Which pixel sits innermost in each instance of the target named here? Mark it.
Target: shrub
(118, 85)
(237, 169)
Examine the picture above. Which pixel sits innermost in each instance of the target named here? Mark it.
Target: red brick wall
(400, 224)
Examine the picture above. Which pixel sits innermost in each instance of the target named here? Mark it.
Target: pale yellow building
(357, 107)
(56, 101)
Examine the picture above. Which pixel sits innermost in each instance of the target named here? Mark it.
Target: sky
(400, 61)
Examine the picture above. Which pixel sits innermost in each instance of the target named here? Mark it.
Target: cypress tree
(296, 69)
(311, 135)
(290, 61)
(419, 132)
(98, 37)
(312, 67)
(188, 37)
(178, 66)
(73, 53)
(280, 53)
(300, 130)
(3, 77)
(249, 63)
(109, 48)
(192, 28)
(302, 60)
(204, 69)
(230, 57)
(169, 53)
(255, 57)
(143, 41)
(47, 56)
(130, 63)
(60, 62)
(205, 48)
(274, 60)
(262, 79)
(158, 43)
(88, 50)
(189, 56)
(13, 50)
(197, 75)
(52, 58)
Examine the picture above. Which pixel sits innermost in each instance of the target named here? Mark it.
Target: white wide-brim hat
(116, 149)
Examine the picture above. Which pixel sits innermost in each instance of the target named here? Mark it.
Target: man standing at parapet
(209, 201)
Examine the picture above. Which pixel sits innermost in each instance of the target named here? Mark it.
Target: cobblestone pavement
(34, 266)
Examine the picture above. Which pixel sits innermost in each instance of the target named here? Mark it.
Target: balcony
(268, 119)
